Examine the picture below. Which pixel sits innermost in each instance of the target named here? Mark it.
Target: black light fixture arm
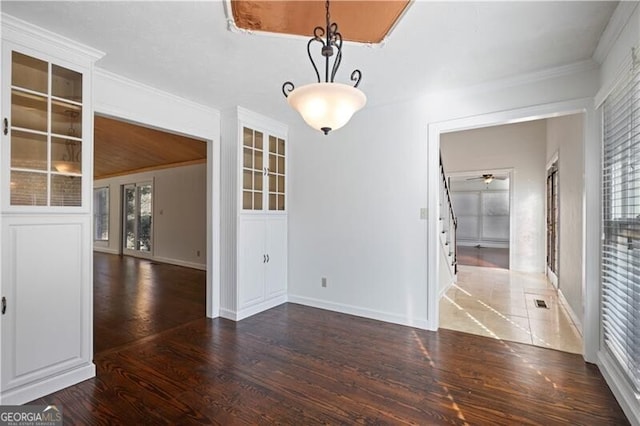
(333, 38)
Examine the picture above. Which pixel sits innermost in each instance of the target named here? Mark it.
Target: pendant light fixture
(327, 105)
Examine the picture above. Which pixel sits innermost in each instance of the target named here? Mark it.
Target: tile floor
(500, 303)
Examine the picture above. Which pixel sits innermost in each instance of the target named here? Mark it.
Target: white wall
(521, 147)
(179, 214)
(565, 137)
(354, 215)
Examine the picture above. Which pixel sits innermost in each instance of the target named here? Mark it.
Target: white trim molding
(31, 36)
(359, 312)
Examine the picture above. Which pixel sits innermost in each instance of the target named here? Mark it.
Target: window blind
(621, 225)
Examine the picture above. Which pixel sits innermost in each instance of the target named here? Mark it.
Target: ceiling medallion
(327, 105)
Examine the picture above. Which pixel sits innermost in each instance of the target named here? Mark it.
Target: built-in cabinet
(45, 220)
(262, 259)
(255, 168)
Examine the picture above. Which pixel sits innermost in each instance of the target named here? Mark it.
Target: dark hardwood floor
(487, 257)
(300, 366)
(135, 298)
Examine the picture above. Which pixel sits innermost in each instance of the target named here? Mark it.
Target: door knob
(4, 305)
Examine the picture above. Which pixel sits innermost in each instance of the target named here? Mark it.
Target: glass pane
(257, 201)
(130, 212)
(272, 202)
(281, 184)
(248, 158)
(280, 202)
(66, 83)
(66, 156)
(144, 218)
(247, 200)
(281, 165)
(28, 111)
(273, 167)
(28, 189)
(66, 190)
(281, 146)
(273, 183)
(272, 144)
(29, 73)
(28, 150)
(258, 160)
(247, 179)
(101, 214)
(247, 137)
(66, 119)
(257, 181)
(258, 140)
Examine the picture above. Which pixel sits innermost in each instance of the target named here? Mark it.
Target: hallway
(136, 298)
(501, 304)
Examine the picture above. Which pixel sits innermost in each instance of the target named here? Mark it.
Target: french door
(137, 210)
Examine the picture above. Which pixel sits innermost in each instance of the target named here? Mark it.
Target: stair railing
(448, 218)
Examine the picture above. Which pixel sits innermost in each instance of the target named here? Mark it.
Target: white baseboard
(254, 309)
(192, 265)
(177, 262)
(577, 321)
(360, 312)
(105, 250)
(38, 389)
(620, 387)
(487, 244)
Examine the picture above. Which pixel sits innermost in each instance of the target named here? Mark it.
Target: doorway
(481, 201)
(137, 211)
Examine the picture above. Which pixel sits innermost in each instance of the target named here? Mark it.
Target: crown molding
(108, 75)
(616, 24)
(31, 36)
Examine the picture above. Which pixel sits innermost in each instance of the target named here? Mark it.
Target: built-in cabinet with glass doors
(45, 219)
(260, 214)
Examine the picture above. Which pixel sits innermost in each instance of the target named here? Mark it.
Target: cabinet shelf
(46, 133)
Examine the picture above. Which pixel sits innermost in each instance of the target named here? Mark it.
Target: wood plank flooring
(302, 366)
(488, 257)
(135, 298)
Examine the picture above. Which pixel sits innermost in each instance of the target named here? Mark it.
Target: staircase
(448, 227)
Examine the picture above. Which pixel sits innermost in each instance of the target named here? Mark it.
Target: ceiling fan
(488, 178)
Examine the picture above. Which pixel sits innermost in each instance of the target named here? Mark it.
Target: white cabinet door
(276, 271)
(251, 260)
(45, 326)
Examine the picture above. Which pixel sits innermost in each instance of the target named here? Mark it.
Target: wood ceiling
(360, 21)
(122, 148)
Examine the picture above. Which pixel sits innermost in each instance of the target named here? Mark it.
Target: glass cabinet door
(263, 171)
(276, 173)
(252, 169)
(46, 133)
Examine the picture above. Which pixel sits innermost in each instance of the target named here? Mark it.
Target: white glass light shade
(326, 106)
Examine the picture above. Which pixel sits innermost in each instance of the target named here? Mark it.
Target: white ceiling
(185, 47)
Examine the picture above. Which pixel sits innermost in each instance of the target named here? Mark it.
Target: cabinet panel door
(251, 261)
(44, 326)
(276, 271)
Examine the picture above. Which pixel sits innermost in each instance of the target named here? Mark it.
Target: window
(621, 225)
(101, 214)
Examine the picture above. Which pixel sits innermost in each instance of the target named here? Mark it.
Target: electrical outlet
(198, 253)
(324, 282)
(424, 214)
